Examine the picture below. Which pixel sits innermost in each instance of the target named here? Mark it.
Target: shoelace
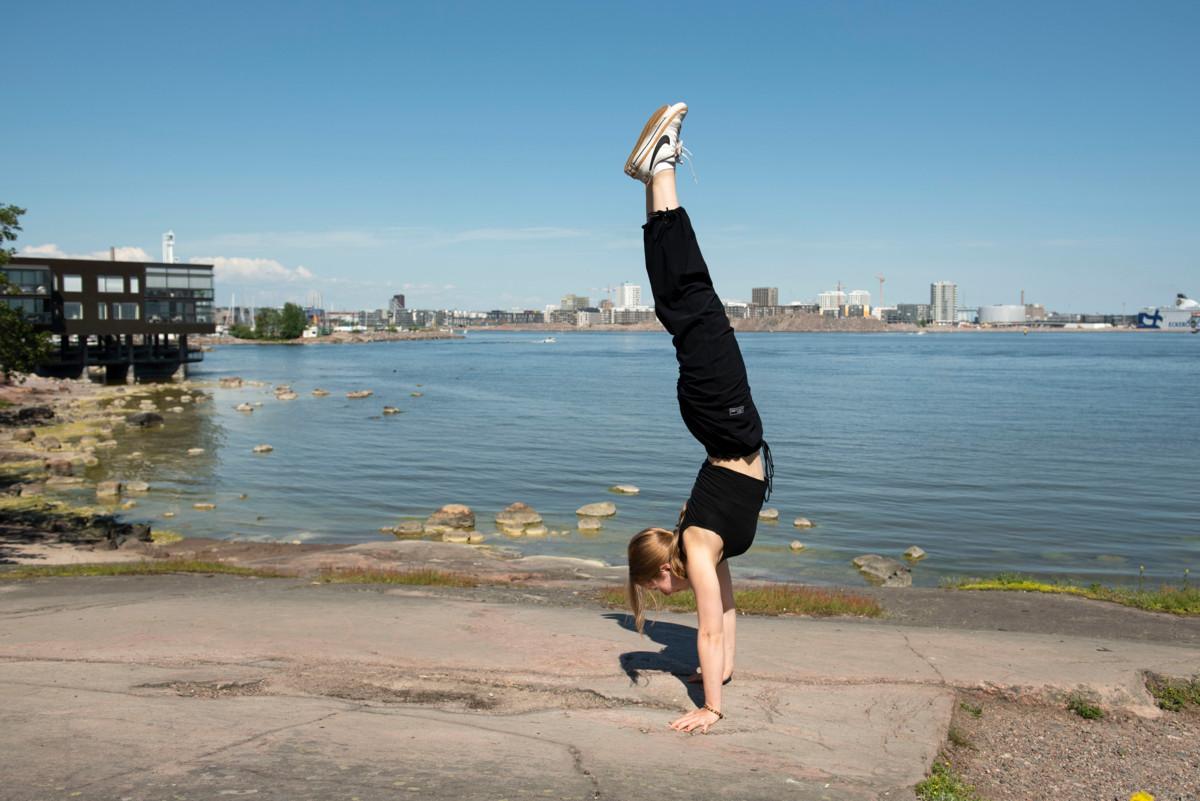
(683, 154)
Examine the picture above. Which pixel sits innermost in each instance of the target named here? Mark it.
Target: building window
(27, 281)
(101, 311)
(134, 284)
(126, 311)
(73, 283)
(110, 283)
(73, 310)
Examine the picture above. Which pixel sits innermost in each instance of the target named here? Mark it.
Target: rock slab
(883, 571)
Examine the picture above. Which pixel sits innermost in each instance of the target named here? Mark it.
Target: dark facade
(114, 314)
(915, 313)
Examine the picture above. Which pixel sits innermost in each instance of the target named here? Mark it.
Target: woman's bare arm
(703, 551)
(729, 627)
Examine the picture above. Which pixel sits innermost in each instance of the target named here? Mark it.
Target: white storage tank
(1002, 314)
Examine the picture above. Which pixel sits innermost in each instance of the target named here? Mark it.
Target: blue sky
(469, 154)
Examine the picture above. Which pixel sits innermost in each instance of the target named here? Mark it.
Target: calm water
(1068, 455)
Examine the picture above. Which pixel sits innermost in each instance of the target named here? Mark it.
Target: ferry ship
(1183, 316)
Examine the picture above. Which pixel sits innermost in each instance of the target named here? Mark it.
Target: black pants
(714, 395)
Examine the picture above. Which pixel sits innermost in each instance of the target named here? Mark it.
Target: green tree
(241, 331)
(266, 324)
(21, 347)
(291, 321)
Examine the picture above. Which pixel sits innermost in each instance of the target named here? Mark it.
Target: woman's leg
(660, 193)
(713, 390)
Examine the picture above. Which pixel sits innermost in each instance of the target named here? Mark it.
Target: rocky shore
(336, 338)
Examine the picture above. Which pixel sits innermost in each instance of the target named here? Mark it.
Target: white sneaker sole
(654, 129)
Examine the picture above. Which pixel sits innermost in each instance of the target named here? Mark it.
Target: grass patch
(22, 468)
(943, 785)
(768, 599)
(67, 432)
(974, 710)
(422, 578)
(1182, 600)
(14, 504)
(136, 569)
(1174, 694)
(1084, 708)
(956, 738)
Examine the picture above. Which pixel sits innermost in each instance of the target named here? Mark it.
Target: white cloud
(52, 251)
(243, 270)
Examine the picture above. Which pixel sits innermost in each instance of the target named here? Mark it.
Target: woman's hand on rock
(696, 719)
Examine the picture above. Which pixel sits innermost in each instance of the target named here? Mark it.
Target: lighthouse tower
(169, 247)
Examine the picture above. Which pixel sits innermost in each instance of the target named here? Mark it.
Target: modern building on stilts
(114, 314)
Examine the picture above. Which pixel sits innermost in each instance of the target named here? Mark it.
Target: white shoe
(659, 145)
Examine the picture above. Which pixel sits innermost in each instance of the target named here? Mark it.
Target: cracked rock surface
(193, 686)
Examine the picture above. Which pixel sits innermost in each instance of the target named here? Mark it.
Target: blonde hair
(649, 550)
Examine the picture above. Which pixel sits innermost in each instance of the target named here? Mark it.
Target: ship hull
(1161, 319)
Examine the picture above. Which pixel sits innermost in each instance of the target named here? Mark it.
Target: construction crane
(881, 280)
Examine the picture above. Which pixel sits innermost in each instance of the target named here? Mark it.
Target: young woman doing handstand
(719, 519)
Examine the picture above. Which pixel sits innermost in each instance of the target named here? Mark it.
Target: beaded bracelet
(716, 712)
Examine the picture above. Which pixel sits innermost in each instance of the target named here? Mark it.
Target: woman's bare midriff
(748, 465)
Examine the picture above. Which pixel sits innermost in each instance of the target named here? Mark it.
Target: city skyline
(908, 140)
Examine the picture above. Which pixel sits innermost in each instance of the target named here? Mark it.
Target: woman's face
(667, 582)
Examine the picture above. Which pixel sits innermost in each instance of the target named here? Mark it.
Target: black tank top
(726, 502)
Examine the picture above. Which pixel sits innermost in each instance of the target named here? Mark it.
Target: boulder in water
(518, 515)
(452, 516)
(882, 571)
(602, 509)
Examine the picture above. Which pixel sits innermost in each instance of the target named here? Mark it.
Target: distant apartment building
(628, 296)
(500, 317)
(832, 301)
(736, 309)
(561, 316)
(630, 315)
(574, 302)
(764, 296)
(799, 307)
(943, 302)
(858, 297)
(913, 313)
(585, 318)
(395, 311)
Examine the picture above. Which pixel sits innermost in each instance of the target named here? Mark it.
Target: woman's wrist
(715, 711)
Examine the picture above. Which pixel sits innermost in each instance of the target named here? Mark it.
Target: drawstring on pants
(768, 470)
(661, 221)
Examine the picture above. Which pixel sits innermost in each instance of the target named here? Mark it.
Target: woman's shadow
(677, 655)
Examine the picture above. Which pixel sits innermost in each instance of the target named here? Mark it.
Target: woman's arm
(703, 551)
(729, 617)
(729, 629)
